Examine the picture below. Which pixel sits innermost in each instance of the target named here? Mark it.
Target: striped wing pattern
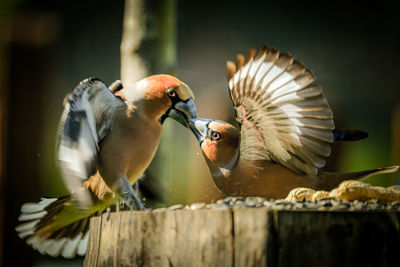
(284, 116)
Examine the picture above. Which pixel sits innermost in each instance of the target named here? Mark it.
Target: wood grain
(244, 237)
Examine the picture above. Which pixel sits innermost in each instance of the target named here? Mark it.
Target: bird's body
(271, 180)
(285, 130)
(133, 162)
(107, 140)
(262, 178)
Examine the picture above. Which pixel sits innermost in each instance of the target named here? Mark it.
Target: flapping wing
(283, 117)
(88, 115)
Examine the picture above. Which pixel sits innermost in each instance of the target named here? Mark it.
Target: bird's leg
(136, 191)
(135, 187)
(125, 190)
(139, 202)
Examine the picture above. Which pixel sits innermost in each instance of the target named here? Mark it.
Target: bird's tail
(56, 226)
(349, 135)
(329, 180)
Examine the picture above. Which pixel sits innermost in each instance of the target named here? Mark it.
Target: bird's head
(164, 96)
(219, 141)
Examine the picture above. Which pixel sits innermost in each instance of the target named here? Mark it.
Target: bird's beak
(199, 128)
(182, 111)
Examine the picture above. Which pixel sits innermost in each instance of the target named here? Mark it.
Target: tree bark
(244, 237)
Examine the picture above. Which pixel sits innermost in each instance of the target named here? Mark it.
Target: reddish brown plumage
(97, 185)
(158, 84)
(223, 150)
(247, 177)
(262, 178)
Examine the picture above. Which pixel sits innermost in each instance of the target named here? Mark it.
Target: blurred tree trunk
(149, 47)
(133, 32)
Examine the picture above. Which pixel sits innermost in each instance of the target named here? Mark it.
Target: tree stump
(244, 237)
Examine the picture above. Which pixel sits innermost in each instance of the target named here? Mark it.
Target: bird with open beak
(107, 139)
(285, 130)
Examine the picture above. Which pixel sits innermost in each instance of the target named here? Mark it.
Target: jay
(285, 130)
(107, 138)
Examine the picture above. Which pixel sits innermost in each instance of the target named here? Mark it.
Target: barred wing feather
(284, 117)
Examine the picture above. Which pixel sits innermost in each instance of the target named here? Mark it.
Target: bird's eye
(215, 136)
(171, 92)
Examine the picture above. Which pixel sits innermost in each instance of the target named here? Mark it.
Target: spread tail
(330, 180)
(56, 226)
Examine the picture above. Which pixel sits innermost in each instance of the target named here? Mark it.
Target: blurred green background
(47, 47)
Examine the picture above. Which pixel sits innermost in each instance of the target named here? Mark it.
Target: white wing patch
(273, 99)
(88, 115)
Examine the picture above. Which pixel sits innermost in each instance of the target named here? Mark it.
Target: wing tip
(116, 86)
(91, 80)
(78, 90)
(250, 54)
(240, 61)
(230, 69)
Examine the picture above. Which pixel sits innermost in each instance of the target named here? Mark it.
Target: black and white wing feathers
(88, 116)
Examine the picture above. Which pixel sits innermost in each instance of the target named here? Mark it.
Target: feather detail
(56, 247)
(116, 86)
(81, 249)
(88, 116)
(283, 116)
(71, 247)
(230, 69)
(37, 207)
(68, 241)
(32, 216)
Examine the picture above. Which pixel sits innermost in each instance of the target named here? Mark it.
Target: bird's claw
(129, 197)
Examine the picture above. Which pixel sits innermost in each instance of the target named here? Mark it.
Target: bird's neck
(222, 170)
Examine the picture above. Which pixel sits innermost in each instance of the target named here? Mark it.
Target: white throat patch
(225, 170)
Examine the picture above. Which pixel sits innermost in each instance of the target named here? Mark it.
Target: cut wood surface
(244, 237)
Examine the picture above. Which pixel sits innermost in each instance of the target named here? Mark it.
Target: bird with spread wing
(107, 138)
(285, 130)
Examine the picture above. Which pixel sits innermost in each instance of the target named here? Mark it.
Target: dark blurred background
(47, 47)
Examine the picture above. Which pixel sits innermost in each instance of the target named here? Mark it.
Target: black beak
(199, 128)
(182, 111)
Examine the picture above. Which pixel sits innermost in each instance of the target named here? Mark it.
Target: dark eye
(171, 92)
(215, 136)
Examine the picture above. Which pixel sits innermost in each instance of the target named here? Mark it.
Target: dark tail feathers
(349, 135)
